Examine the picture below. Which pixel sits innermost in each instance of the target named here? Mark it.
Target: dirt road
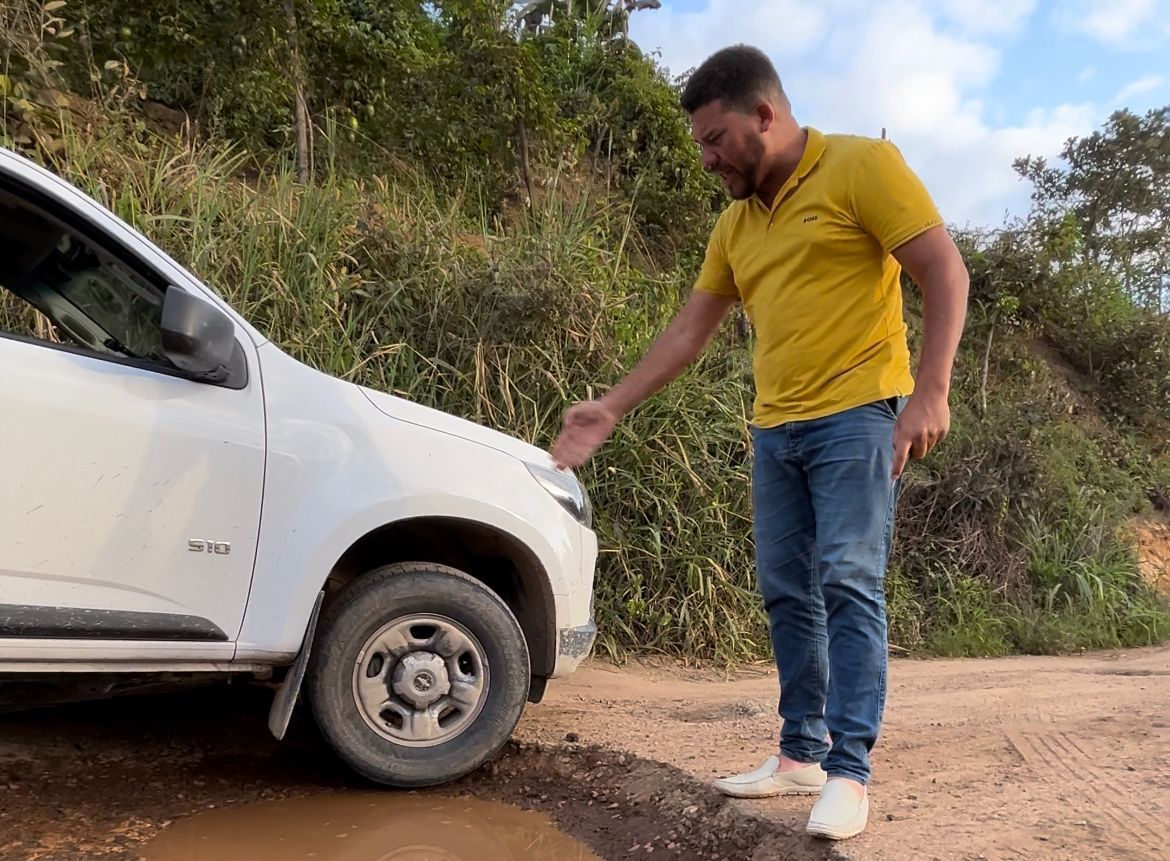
(980, 759)
(1037, 758)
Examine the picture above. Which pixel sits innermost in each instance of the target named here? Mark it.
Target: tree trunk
(300, 102)
(525, 159)
(986, 369)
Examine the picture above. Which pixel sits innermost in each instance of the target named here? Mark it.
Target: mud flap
(286, 695)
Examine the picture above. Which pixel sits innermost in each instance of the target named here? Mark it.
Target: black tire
(367, 605)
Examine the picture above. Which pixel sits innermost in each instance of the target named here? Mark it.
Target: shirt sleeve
(889, 201)
(715, 275)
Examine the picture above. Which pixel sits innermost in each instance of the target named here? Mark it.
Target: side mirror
(198, 337)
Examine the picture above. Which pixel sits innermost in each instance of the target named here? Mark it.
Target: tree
(614, 15)
(1115, 185)
(301, 120)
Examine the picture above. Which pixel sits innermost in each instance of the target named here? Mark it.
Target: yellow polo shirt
(817, 280)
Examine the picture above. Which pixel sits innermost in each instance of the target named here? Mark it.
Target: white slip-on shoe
(766, 781)
(838, 814)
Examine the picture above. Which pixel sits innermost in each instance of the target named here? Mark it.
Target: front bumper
(573, 646)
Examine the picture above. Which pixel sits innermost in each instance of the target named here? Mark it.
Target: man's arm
(587, 425)
(675, 349)
(935, 264)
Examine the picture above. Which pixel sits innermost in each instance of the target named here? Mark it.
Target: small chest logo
(809, 219)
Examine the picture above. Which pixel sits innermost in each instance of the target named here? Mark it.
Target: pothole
(158, 777)
(373, 826)
(625, 807)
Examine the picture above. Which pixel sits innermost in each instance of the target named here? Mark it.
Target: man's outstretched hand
(587, 426)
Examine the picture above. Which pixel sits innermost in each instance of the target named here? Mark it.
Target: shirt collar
(814, 148)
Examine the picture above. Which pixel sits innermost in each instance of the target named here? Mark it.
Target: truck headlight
(566, 490)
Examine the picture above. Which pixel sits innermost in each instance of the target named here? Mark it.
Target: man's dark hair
(741, 76)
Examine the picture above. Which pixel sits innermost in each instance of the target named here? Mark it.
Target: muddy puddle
(198, 776)
(366, 827)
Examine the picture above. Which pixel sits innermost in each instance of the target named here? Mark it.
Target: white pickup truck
(182, 498)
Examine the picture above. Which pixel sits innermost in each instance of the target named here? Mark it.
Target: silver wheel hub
(420, 680)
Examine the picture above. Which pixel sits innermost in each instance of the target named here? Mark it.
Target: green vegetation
(494, 214)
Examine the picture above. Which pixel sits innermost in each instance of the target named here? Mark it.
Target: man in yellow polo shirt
(813, 244)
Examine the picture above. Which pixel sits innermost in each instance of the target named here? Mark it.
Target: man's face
(732, 143)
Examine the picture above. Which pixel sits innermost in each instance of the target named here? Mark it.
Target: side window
(59, 286)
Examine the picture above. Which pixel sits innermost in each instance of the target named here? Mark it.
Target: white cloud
(1141, 86)
(1122, 23)
(921, 84)
(915, 67)
(1087, 74)
(973, 178)
(787, 27)
(988, 16)
(900, 72)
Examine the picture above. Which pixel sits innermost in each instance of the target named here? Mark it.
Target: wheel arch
(491, 555)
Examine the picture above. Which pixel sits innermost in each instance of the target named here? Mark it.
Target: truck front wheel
(419, 674)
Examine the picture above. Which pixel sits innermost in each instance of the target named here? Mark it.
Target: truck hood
(436, 420)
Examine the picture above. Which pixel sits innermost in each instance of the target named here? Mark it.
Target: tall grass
(384, 281)
(381, 281)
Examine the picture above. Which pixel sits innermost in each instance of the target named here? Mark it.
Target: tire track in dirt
(1057, 759)
(1147, 827)
(1094, 782)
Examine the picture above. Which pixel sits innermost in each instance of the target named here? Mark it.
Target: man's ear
(765, 115)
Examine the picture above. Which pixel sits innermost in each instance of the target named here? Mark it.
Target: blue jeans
(824, 509)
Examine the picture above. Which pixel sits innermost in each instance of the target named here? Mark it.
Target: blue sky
(963, 86)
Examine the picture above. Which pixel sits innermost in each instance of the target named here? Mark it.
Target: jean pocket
(891, 406)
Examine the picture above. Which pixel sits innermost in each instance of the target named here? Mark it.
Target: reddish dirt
(100, 780)
(1153, 541)
(1029, 757)
(979, 760)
